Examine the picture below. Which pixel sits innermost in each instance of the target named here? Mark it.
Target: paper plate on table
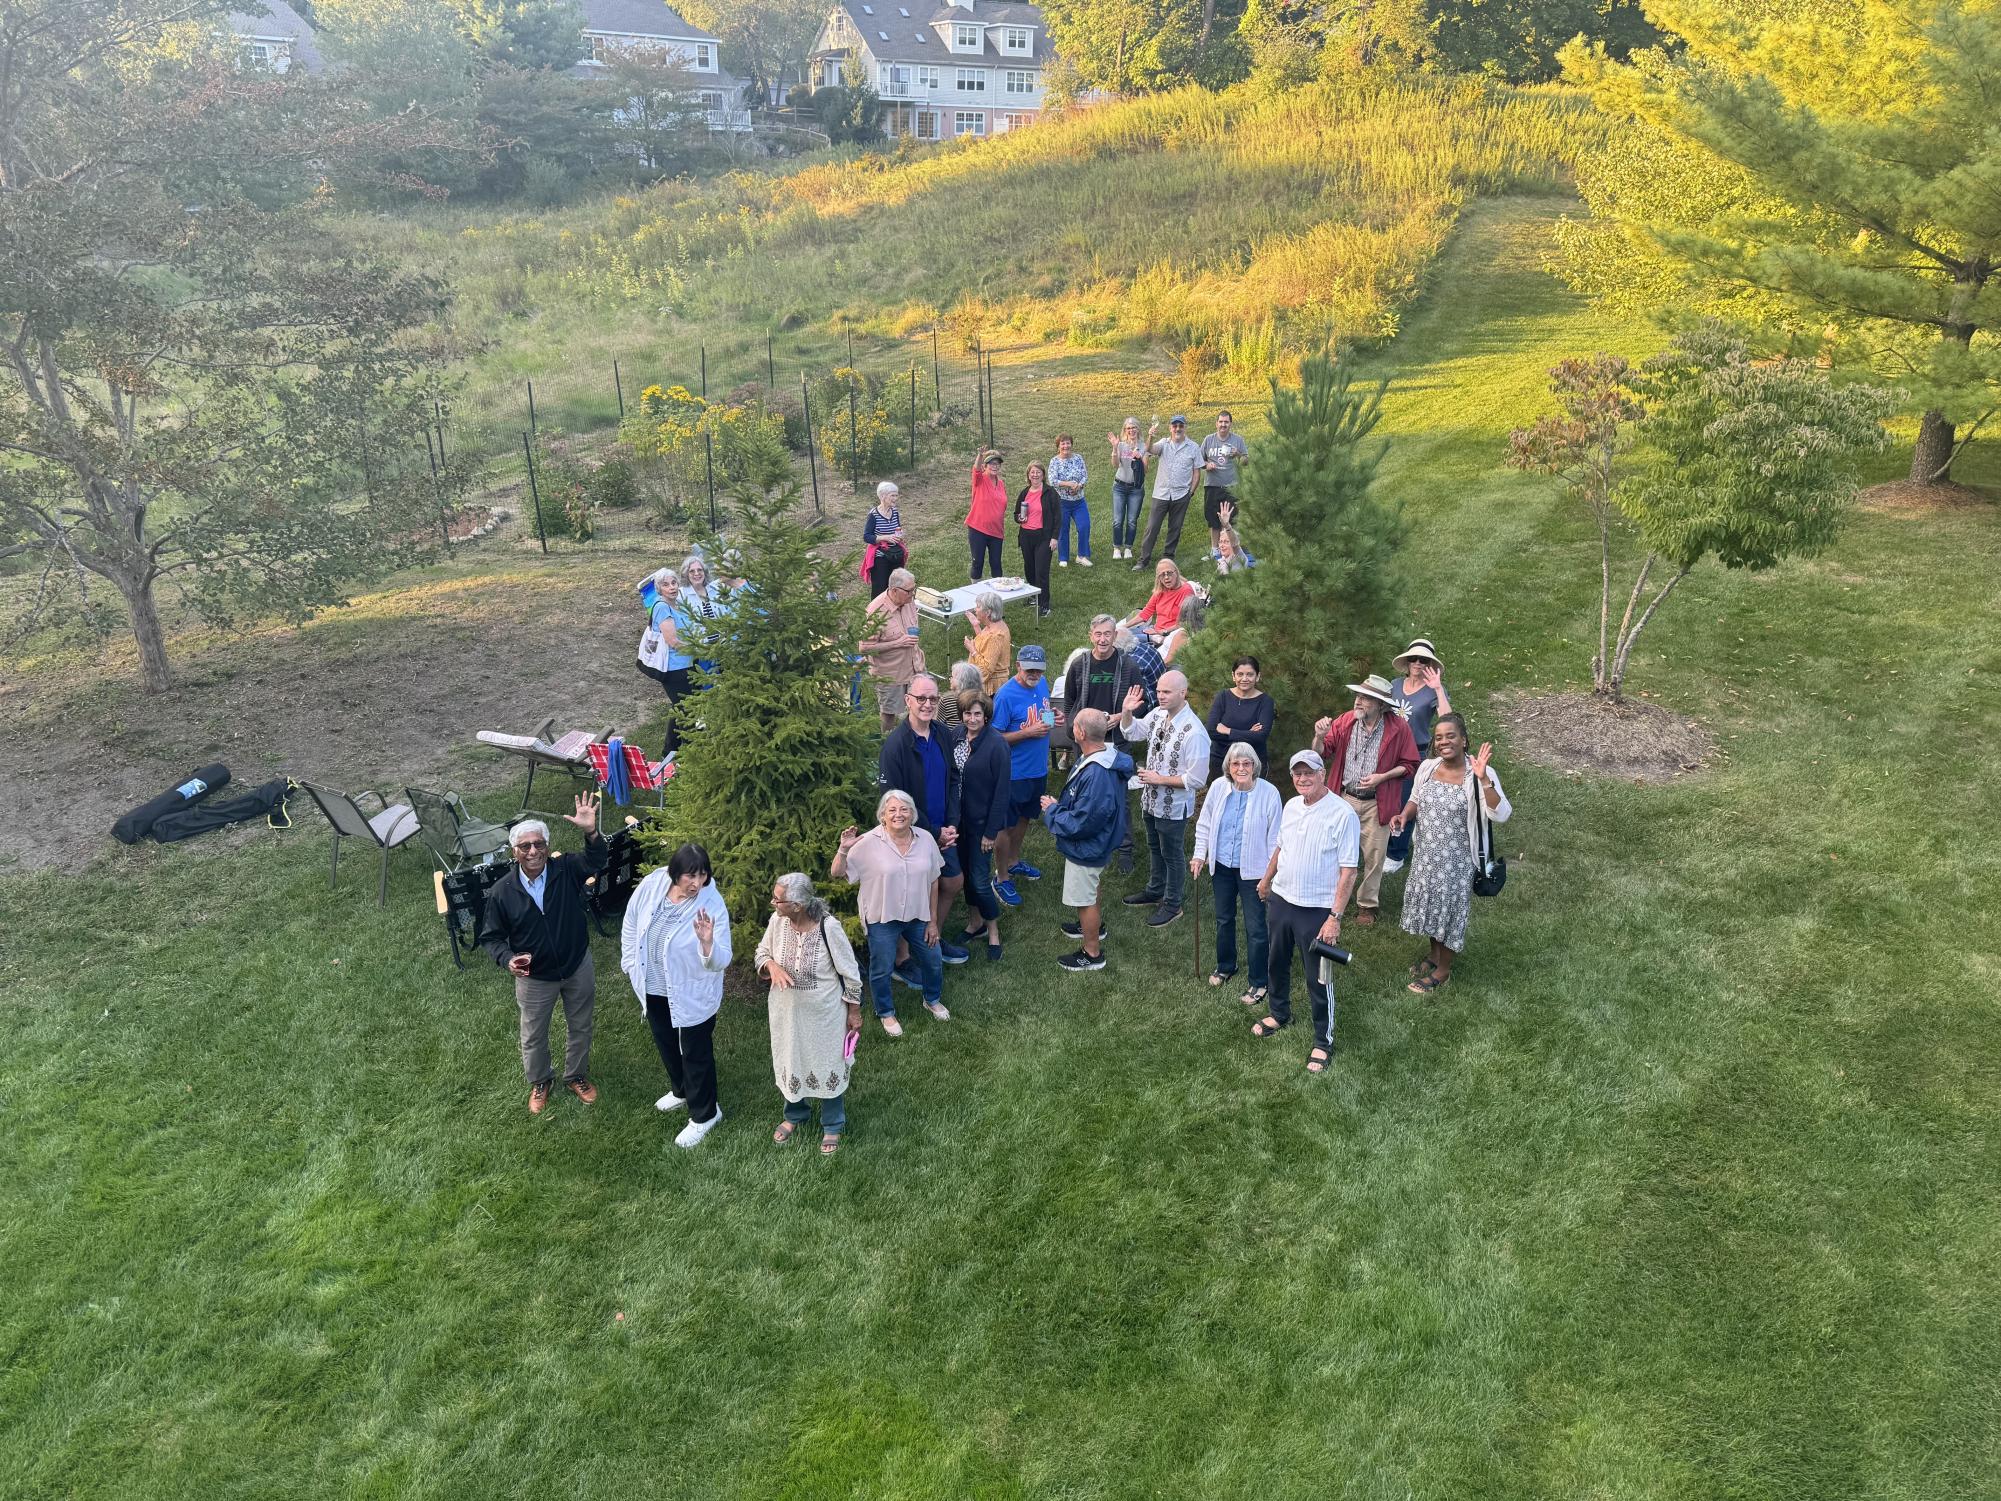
(1007, 583)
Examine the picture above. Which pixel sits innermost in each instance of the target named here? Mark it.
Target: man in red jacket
(1370, 758)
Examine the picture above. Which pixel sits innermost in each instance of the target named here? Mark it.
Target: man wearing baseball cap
(1370, 758)
(1308, 882)
(1175, 476)
(1022, 718)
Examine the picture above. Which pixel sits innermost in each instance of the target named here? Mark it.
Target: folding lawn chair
(566, 753)
(641, 775)
(461, 898)
(386, 829)
(454, 837)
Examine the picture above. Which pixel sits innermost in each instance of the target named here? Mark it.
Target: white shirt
(694, 983)
(1315, 842)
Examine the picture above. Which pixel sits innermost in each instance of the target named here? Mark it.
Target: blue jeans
(986, 550)
(930, 963)
(980, 878)
(1167, 858)
(1127, 503)
(833, 1113)
(1079, 511)
(1228, 885)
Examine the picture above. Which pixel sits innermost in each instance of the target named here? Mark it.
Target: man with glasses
(917, 758)
(534, 927)
(1308, 882)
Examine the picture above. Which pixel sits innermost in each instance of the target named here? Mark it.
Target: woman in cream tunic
(816, 1009)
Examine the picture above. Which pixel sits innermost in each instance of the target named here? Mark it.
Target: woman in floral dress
(816, 1009)
(1438, 895)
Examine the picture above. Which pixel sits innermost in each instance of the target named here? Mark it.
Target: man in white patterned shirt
(1177, 768)
(1310, 878)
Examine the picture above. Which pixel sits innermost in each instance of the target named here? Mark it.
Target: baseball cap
(1306, 758)
(1177, 420)
(1032, 656)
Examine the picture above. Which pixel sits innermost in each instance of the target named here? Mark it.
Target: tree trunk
(153, 671)
(1931, 460)
(1602, 661)
(1627, 638)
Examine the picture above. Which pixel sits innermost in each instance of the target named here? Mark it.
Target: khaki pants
(536, 1000)
(1375, 844)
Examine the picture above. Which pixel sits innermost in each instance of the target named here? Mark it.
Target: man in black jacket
(535, 929)
(917, 758)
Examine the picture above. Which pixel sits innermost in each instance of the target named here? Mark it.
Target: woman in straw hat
(1438, 896)
(1420, 698)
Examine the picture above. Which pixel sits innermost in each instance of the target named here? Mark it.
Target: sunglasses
(532, 844)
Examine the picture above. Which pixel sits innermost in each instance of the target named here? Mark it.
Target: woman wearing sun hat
(1370, 756)
(1420, 696)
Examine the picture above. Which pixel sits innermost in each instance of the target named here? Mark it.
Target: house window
(927, 125)
(965, 38)
(972, 81)
(1015, 39)
(969, 122)
(705, 57)
(927, 78)
(1020, 81)
(895, 81)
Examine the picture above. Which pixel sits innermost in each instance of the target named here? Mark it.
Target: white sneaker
(668, 1101)
(1083, 562)
(1060, 563)
(1390, 865)
(692, 1133)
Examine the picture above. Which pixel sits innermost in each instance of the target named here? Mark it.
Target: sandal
(830, 1143)
(1266, 1028)
(785, 1132)
(1420, 969)
(1428, 983)
(1220, 976)
(1255, 996)
(1318, 1059)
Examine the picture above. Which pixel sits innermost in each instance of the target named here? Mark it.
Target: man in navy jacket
(1088, 823)
(917, 758)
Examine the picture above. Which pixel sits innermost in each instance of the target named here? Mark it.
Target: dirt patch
(1580, 734)
(1907, 498)
(387, 692)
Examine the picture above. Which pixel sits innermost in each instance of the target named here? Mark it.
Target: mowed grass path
(1685, 1188)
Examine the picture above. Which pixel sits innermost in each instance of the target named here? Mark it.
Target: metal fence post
(913, 414)
(708, 440)
(531, 407)
(535, 490)
(618, 386)
(812, 457)
(937, 391)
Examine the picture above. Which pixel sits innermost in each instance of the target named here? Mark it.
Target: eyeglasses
(531, 844)
(922, 698)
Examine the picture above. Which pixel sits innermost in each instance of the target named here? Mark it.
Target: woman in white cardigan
(676, 945)
(1234, 837)
(1445, 854)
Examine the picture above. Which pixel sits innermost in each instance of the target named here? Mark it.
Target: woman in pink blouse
(1035, 511)
(986, 521)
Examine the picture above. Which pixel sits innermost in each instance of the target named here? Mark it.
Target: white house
(654, 28)
(278, 39)
(944, 68)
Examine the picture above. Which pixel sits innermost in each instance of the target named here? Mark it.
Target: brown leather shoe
(538, 1098)
(584, 1090)
(1365, 917)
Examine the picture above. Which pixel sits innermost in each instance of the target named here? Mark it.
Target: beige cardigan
(1496, 814)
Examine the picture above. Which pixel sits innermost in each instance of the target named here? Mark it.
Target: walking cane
(1196, 883)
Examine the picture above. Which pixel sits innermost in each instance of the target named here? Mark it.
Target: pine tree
(1325, 595)
(773, 762)
(1831, 162)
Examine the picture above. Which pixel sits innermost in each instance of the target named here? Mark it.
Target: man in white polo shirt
(1309, 880)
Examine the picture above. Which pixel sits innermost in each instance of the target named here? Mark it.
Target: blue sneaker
(951, 953)
(906, 974)
(1026, 871)
(1006, 892)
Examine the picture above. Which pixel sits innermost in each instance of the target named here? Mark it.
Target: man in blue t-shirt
(1021, 717)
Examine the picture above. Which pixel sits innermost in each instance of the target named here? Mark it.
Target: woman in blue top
(1420, 698)
(1235, 836)
(670, 629)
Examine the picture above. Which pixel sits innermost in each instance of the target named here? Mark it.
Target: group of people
(683, 606)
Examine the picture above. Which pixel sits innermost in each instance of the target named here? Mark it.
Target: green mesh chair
(453, 836)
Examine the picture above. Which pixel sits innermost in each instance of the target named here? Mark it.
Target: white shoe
(1060, 563)
(692, 1133)
(1390, 865)
(1083, 562)
(668, 1101)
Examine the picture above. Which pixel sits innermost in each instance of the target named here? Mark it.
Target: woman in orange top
(986, 522)
(1162, 611)
(1035, 513)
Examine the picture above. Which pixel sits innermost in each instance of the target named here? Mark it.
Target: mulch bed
(1581, 734)
(1908, 498)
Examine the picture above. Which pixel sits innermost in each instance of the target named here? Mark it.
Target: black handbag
(1490, 874)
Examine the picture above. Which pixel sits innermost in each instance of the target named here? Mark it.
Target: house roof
(642, 18)
(280, 22)
(901, 32)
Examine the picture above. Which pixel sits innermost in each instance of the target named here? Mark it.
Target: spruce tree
(773, 761)
(1324, 597)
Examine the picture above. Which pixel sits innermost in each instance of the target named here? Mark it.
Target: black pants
(1035, 550)
(1296, 927)
(985, 549)
(1173, 512)
(690, 1056)
(880, 570)
(675, 682)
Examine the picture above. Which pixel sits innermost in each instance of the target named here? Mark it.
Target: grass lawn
(1687, 1186)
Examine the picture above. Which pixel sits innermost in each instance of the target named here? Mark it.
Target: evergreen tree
(1832, 159)
(773, 762)
(1325, 595)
